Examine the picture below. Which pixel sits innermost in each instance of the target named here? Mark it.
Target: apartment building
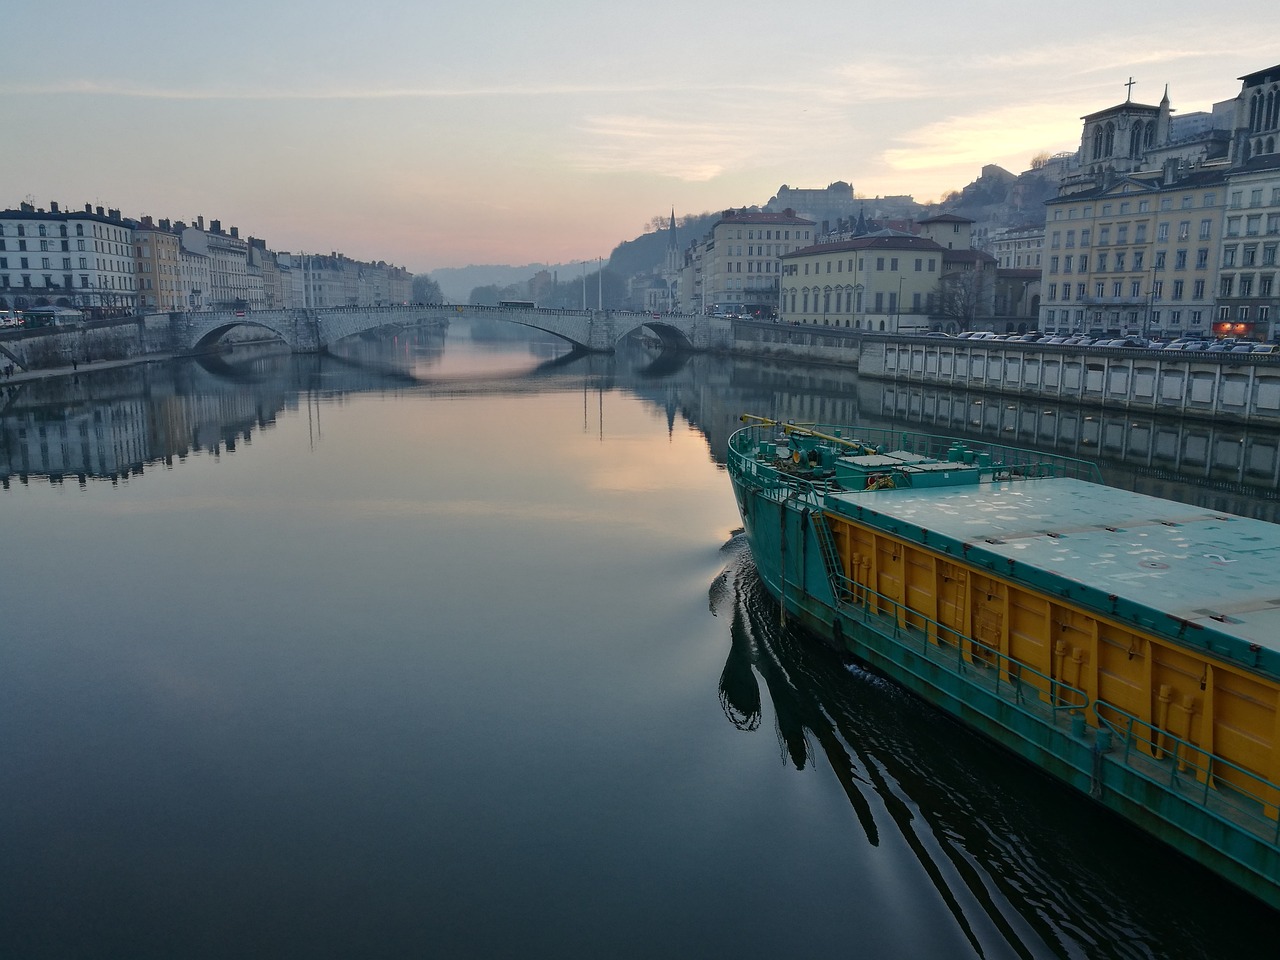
(737, 267)
(81, 260)
(886, 281)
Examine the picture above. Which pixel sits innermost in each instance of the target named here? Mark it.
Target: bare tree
(966, 296)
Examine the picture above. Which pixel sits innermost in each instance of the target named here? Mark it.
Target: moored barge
(1128, 645)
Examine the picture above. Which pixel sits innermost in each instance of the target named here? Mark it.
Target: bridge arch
(215, 333)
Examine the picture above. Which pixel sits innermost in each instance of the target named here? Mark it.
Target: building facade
(81, 260)
(1170, 226)
(736, 269)
(158, 253)
(887, 281)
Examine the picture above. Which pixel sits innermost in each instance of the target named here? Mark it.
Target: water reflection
(1023, 867)
(111, 424)
(928, 824)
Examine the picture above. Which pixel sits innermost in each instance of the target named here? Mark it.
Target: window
(1246, 285)
(1225, 286)
(1137, 259)
(893, 264)
(1135, 288)
(1053, 264)
(1055, 239)
(1206, 229)
(1119, 259)
(1071, 239)
(1122, 233)
(1140, 233)
(1066, 263)
(1250, 255)
(1084, 263)
(1180, 260)
(1144, 206)
(1197, 290)
(1162, 233)
(1202, 258)
(1184, 229)
(1098, 289)
(1104, 235)
(879, 263)
(1084, 237)
(1157, 289)
(1159, 264)
(1177, 289)
(1229, 256)
(1053, 291)
(1237, 199)
(1116, 288)
(1255, 197)
(1264, 285)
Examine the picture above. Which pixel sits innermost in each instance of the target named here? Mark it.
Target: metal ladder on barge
(831, 558)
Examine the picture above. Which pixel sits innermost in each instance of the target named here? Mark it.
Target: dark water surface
(448, 648)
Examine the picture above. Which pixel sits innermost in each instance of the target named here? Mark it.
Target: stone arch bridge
(311, 331)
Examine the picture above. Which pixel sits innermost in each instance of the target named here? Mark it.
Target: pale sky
(433, 135)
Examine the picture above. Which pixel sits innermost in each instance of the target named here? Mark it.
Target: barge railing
(1225, 790)
(1006, 462)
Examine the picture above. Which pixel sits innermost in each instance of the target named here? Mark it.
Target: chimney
(215, 226)
(98, 211)
(200, 223)
(53, 206)
(235, 232)
(164, 225)
(113, 214)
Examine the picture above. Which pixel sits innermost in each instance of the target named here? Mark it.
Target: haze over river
(448, 647)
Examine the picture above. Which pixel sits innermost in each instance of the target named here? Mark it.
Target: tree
(965, 296)
(426, 290)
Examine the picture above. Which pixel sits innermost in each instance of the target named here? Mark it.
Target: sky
(432, 135)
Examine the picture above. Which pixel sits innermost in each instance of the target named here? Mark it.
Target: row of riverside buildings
(102, 264)
(1163, 226)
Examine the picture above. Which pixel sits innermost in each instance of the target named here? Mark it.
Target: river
(451, 646)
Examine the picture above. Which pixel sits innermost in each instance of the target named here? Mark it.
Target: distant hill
(648, 252)
(1001, 198)
(456, 283)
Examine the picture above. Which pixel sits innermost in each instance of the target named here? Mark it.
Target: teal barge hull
(1080, 627)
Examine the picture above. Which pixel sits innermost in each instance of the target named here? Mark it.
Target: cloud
(984, 137)
(681, 149)
(869, 81)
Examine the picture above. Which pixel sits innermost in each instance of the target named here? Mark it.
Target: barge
(1125, 644)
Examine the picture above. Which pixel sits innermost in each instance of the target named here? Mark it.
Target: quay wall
(1240, 388)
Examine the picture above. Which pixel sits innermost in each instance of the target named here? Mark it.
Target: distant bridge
(312, 331)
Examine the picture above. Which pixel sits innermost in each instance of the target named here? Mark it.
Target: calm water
(449, 648)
